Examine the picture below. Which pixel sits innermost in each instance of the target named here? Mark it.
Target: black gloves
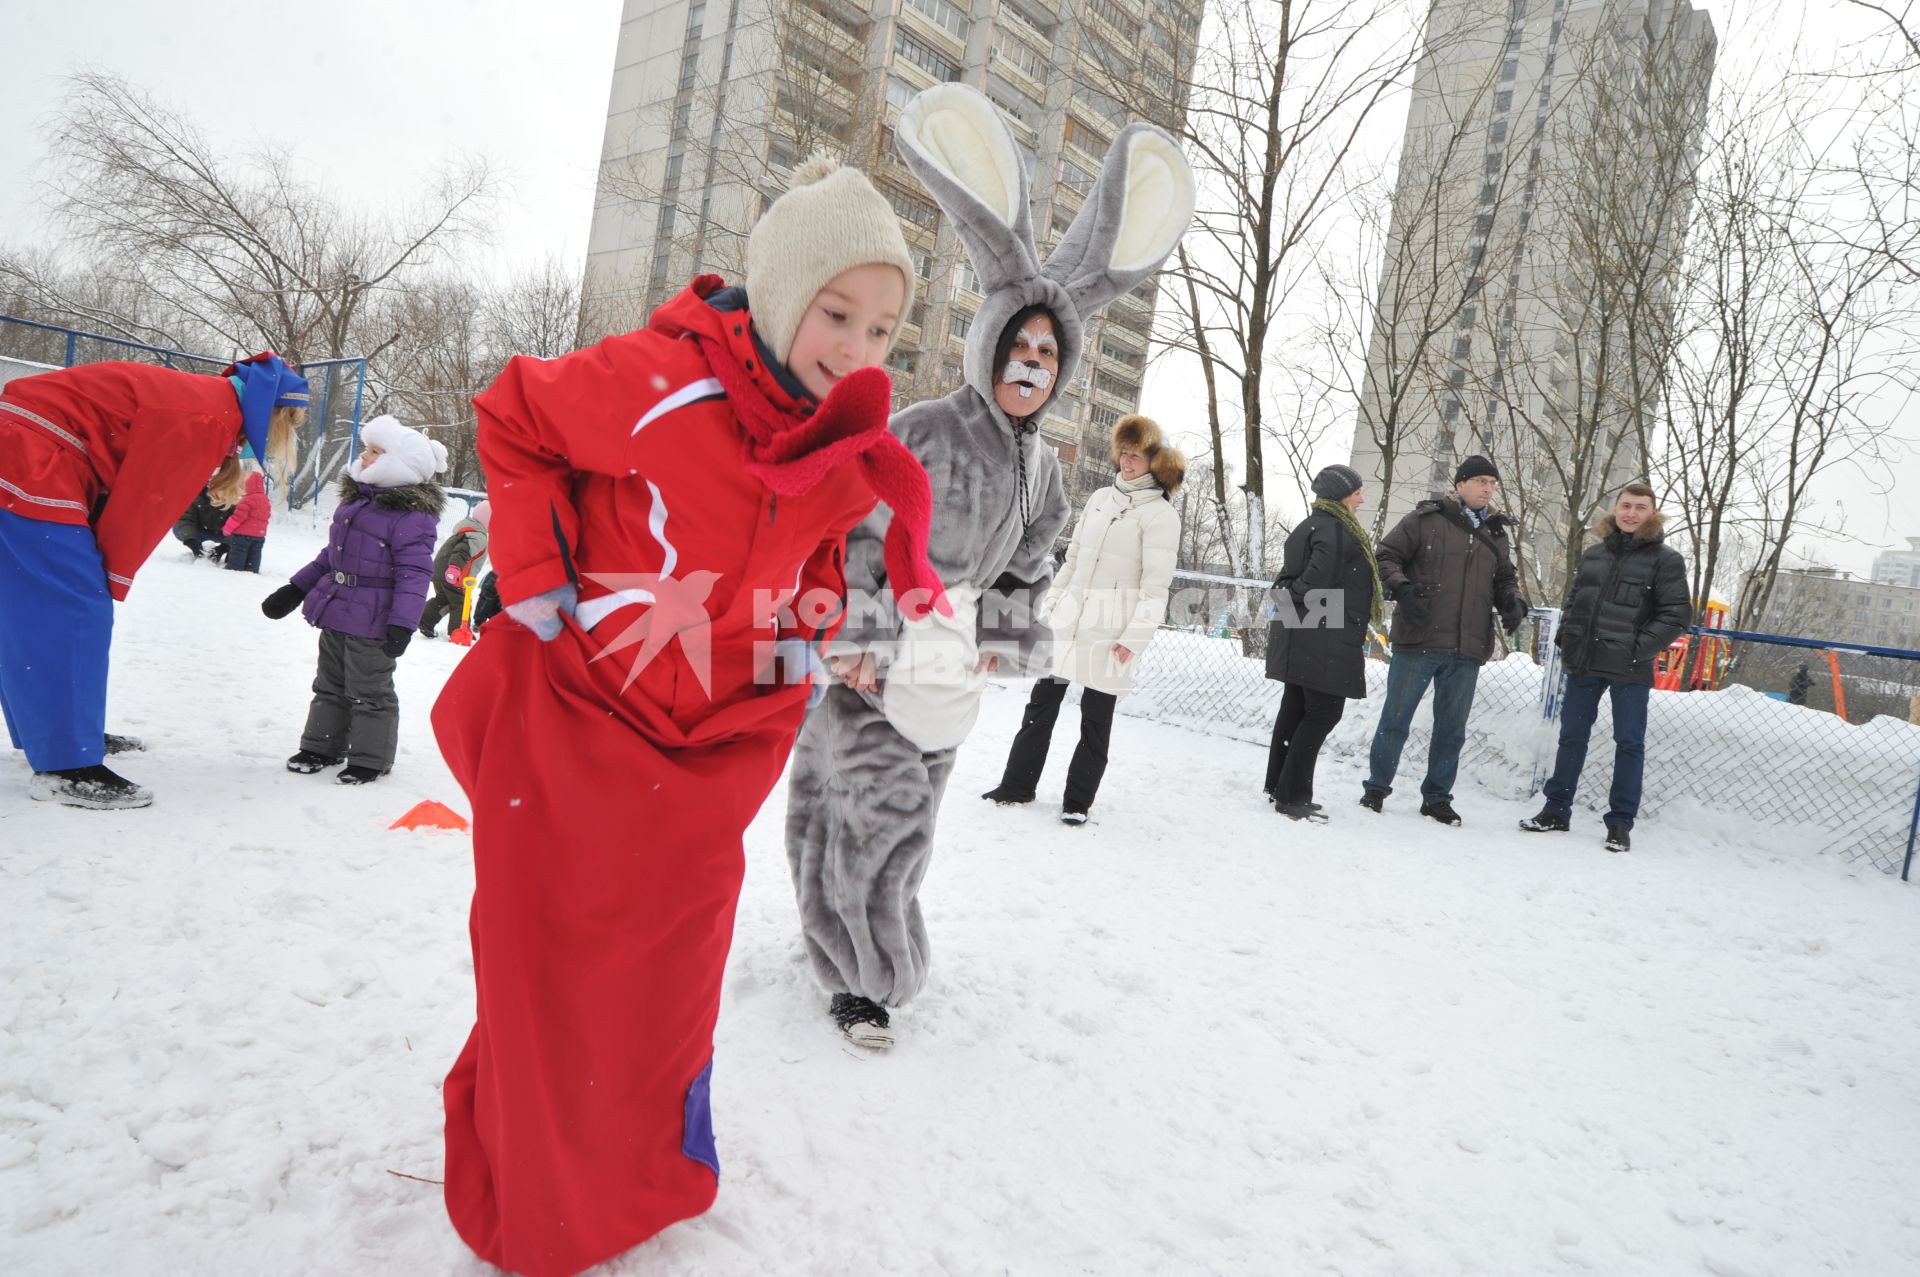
(1413, 605)
(1513, 614)
(282, 601)
(398, 636)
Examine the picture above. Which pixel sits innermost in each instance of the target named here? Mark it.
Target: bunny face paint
(1029, 368)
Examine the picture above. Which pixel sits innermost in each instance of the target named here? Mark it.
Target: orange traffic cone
(430, 815)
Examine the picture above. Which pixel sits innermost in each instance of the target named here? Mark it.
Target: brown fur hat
(1143, 435)
(1169, 466)
(1140, 434)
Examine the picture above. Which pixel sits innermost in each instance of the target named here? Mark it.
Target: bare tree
(1278, 103)
(250, 252)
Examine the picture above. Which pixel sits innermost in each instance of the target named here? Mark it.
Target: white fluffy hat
(407, 456)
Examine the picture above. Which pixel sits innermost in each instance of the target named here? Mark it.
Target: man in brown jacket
(1448, 566)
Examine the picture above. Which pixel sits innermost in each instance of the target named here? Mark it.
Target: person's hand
(282, 601)
(398, 636)
(795, 661)
(1413, 605)
(542, 612)
(988, 664)
(1513, 614)
(857, 674)
(1122, 653)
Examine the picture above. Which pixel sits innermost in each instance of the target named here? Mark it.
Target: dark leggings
(1305, 718)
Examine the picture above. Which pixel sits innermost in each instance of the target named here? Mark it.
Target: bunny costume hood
(870, 769)
(406, 455)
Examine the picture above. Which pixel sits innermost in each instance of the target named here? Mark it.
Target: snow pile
(1189, 1037)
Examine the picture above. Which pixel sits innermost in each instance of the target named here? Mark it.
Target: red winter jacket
(250, 517)
(120, 447)
(626, 459)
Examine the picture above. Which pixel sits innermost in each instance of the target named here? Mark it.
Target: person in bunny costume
(873, 759)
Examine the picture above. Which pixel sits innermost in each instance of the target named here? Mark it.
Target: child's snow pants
(56, 625)
(607, 865)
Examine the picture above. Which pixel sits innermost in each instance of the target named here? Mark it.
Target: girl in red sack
(670, 509)
(96, 463)
(246, 528)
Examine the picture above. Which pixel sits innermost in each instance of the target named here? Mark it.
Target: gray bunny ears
(953, 139)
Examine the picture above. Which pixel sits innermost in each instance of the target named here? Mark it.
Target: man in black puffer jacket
(1628, 602)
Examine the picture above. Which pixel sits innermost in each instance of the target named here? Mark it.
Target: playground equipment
(1710, 662)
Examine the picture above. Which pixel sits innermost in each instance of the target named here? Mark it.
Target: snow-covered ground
(1187, 1038)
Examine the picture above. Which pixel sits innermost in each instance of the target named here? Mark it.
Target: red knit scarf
(792, 455)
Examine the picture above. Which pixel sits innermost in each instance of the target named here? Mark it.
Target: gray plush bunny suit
(869, 770)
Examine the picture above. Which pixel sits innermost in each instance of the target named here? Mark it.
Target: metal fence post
(1913, 835)
(1546, 654)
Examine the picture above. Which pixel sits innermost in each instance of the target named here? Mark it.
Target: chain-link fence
(336, 389)
(1745, 752)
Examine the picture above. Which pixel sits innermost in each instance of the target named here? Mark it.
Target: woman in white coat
(1107, 600)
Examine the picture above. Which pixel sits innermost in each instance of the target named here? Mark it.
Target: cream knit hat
(829, 221)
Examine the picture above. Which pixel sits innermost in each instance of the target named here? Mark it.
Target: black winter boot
(355, 774)
(1441, 811)
(124, 744)
(1309, 812)
(862, 1020)
(1618, 839)
(1548, 821)
(94, 788)
(307, 762)
(1005, 795)
(1373, 799)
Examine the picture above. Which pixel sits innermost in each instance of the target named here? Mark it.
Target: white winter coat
(1113, 586)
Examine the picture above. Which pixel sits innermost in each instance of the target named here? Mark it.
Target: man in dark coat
(1327, 594)
(1628, 602)
(1448, 565)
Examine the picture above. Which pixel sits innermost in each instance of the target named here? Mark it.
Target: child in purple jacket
(364, 592)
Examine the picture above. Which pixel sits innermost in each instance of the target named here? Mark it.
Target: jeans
(1299, 730)
(1577, 714)
(1454, 678)
(243, 553)
(1089, 764)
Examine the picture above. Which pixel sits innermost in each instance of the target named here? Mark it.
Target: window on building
(1109, 383)
(1100, 104)
(780, 152)
(922, 262)
(1498, 133)
(959, 323)
(1089, 139)
(1010, 47)
(924, 57)
(947, 17)
(963, 277)
(1074, 177)
(1062, 218)
(1510, 69)
(921, 212)
(899, 92)
(1122, 355)
(903, 361)
(1503, 100)
(1115, 17)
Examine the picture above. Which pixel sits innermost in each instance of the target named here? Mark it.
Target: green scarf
(1345, 516)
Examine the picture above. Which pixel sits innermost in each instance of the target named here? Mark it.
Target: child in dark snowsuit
(459, 557)
(364, 593)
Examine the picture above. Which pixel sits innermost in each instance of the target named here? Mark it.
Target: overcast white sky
(371, 96)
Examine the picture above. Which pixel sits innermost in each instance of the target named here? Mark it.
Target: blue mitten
(541, 613)
(794, 659)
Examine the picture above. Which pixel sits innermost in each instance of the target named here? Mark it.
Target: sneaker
(1302, 811)
(1618, 839)
(1373, 799)
(307, 762)
(862, 1021)
(1548, 821)
(94, 788)
(1006, 795)
(1441, 811)
(124, 744)
(1073, 817)
(355, 774)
